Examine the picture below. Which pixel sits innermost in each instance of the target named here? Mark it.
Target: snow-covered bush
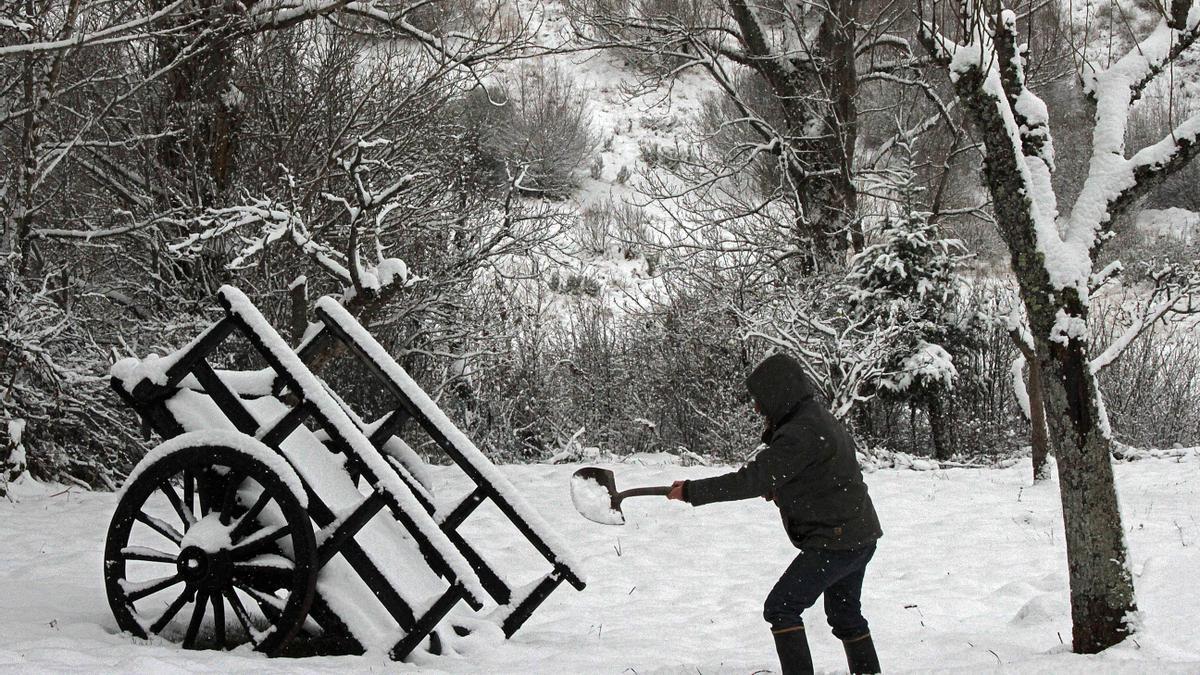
(574, 374)
(670, 157)
(614, 229)
(58, 418)
(536, 128)
(1151, 393)
(982, 420)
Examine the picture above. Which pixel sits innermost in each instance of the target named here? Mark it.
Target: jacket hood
(779, 385)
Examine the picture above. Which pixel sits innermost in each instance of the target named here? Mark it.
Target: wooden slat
(388, 428)
(427, 623)
(285, 426)
(362, 514)
(521, 613)
(226, 400)
(362, 564)
(464, 509)
(492, 583)
(204, 346)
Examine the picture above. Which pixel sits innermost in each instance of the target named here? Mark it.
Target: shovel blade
(594, 493)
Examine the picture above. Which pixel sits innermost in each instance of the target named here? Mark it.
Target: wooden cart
(274, 515)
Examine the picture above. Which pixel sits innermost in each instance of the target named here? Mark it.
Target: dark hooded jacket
(809, 467)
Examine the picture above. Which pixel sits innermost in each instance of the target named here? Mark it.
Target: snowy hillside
(970, 577)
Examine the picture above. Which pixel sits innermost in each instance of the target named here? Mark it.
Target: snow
(1020, 391)
(224, 438)
(929, 364)
(242, 382)
(130, 371)
(970, 577)
(1068, 327)
(209, 534)
(593, 502)
(13, 24)
(16, 454)
(1171, 224)
(477, 460)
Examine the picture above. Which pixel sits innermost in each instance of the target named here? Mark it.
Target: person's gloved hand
(676, 492)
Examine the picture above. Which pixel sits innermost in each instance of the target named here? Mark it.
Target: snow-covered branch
(1173, 296)
(1023, 195)
(1113, 181)
(455, 48)
(121, 32)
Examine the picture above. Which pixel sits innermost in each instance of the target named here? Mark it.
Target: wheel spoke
(160, 526)
(248, 518)
(218, 606)
(229, 498)
(267, 603)
(259, 542)
(239, 611)
(147, 554)
(267, 577)
(193, 629)
(136, 590)
(161, 622)
(185, 513)
(189, 490)
(204, 491)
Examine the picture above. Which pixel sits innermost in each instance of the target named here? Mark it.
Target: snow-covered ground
(970, 577)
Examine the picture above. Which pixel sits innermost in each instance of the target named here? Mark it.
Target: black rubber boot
(861, 656)
(792, 646)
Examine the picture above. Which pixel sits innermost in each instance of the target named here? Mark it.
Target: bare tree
(1053, 257)
(806, 56)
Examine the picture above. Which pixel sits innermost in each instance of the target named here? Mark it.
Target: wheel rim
(208, 547)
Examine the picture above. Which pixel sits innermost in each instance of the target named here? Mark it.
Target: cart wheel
(209, 546)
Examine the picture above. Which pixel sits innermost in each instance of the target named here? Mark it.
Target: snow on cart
(274, 515)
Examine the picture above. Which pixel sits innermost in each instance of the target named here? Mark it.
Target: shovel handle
(645, 492)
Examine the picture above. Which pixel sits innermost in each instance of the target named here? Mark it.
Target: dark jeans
(837, 574)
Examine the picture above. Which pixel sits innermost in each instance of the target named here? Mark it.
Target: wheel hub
(204, 559)
(194, 564)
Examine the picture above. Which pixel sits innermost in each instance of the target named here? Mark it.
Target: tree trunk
(819, 170)
(200, 98)
(298, 299)
(1102, 593)
(23, 205)
(837, 40)
(939, 426)
(1039, 436)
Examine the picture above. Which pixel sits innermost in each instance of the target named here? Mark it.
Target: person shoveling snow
(810, 470)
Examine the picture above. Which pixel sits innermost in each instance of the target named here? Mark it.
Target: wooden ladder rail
(331, 330)
(421, 627)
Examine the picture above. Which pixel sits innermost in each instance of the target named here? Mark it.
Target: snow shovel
(594, 492)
